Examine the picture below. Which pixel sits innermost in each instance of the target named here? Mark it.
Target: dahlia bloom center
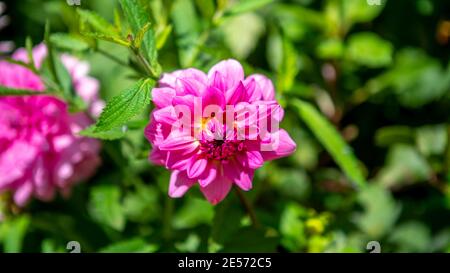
(221, 150)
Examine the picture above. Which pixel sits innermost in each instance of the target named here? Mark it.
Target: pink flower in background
(40, 153)
(193, 135)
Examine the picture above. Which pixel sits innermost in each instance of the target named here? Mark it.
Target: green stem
(167, 221)
(248, 207)
(145, 64)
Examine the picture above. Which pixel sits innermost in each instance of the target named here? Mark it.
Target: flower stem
(248, 206)
(167, 218)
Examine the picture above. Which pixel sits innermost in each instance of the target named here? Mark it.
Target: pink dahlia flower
(215, 129)
(40, 153)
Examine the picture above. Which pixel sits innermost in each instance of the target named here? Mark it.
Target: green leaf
(105, 206)
(380, 211)
(94, 26)
(246, 6)
(432, 139)
(332, 141)
(108, 38)
(97, 23)
(242, 40)
(15, 231)
(135, 245)
(138, 17)
(194, 212)
(54, 68)
(416, 79)
(389, 135)
(6, 91)
(330, 49)
(142, 205)
(113, 134)
(412, 236)
(359, 11)
(206, 8)
(141, 34)
(186, 23)
(404, 165)
(123, 107)
(251, 240)
(369, 49)
(161, 37)
(49, 64)
(68, 42)
(294, 184)
(292, 227)
(296, 18)
(284, 59)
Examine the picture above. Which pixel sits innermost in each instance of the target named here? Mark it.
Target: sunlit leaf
(332, 141)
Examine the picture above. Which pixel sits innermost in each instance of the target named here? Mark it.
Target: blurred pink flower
(209, 129)
(40, 153)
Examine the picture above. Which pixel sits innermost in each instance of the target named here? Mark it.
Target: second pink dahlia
(40, 151)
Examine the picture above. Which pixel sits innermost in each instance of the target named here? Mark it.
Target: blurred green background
(379, 73)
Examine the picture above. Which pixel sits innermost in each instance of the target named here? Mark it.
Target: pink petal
(197, 167)
(23, 194)
(254, 159)
(281, 145)
(253, 92)
(217, 190)
(226, 74)
(213, 96)
(169, 79)
(178, 161)
(187, 100)
(176, 142)
(238, 94)
(156, 132)
(264, 87)
(15, 160)
(162, 97)
(244, 180)
(157, 156)
(39, 54)
(87, 89)
(189, 86)
(179, 184)
(165, 115)
(208, 175)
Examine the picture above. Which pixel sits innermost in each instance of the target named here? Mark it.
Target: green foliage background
(367, 95)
